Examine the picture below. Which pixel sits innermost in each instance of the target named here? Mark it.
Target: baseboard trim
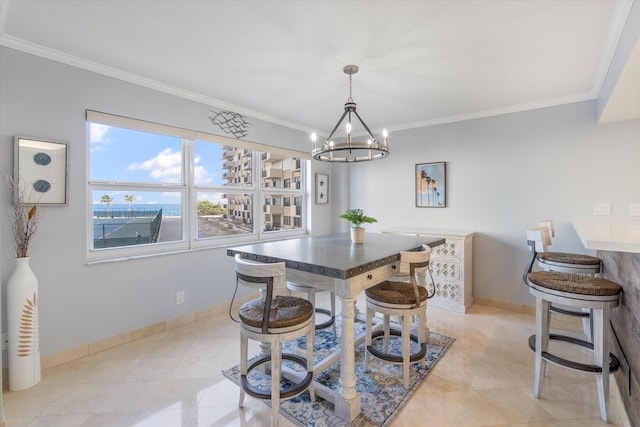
(509, 306)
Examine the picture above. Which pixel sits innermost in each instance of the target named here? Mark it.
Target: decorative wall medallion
(41, 186)
(230, 122)
(42, 159)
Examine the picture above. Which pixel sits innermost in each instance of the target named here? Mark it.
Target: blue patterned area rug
(381, 389)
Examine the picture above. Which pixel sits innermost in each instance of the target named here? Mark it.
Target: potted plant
(357, 218)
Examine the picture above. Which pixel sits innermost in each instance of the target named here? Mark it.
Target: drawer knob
(369, 276)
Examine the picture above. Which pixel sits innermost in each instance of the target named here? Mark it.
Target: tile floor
(174, 379)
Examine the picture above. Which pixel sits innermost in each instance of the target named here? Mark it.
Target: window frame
(189, 192)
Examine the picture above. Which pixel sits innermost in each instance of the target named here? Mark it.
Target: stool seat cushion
(565, 258)
(285, 312)
(396, 293)
(574, 283)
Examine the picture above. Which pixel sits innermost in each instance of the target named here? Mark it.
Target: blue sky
(125, 155)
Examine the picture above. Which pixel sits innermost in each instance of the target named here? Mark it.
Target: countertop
(334, 255)
(445, 232)
(608, 234)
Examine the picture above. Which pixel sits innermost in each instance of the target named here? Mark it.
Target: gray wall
(504, 174)
(81, 303)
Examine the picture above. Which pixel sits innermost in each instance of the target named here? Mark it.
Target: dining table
(332, 262)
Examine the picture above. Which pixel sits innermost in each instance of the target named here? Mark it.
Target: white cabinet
(451, 266)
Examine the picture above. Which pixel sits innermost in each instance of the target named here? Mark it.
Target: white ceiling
(421, 62)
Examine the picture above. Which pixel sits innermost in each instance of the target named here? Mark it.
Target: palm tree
(107, 199)
(428, 179)
(434, 188)
(130, 198)
(423, 177)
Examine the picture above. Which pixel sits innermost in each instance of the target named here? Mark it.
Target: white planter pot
(23, 324)
(357, 235)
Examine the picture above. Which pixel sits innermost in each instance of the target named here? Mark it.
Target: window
(156, 188)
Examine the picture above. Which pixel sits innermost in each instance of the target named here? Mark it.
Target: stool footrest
(569, 312)
(614, 363)
(286, 392)
(329, 322)
(416, 357)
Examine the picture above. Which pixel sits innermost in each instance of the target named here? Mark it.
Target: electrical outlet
(5, 341)
(602, 208)
(180, 297)
(634, 209)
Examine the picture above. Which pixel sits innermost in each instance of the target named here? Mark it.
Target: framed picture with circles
(40, 171)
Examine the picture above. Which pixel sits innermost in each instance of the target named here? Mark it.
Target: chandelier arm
(373, 138)
(337, 125)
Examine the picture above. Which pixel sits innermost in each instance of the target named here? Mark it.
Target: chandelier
(346, 148)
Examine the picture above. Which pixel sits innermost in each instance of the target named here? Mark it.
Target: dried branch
(23, 218)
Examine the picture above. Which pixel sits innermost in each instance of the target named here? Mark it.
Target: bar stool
(311, 290)
(405, 300)
(579, 291)
(567, 263)
(272, 319)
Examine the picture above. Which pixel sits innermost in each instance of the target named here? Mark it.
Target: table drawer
(373, 277)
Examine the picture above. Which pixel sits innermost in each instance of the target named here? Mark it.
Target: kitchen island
(617, 244)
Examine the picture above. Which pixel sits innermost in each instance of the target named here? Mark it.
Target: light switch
(602, 208)
(634, 209)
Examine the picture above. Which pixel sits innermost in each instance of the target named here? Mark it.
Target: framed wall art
(40, 170)
(322, 189)
(431, 186)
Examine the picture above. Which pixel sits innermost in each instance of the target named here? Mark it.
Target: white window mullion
(258, 215)
(190, 205)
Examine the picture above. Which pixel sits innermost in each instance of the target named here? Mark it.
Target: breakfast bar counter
(617, 244)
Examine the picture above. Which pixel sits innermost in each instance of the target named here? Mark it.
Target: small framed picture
(40, 171)
(431, 186)
(322, 189)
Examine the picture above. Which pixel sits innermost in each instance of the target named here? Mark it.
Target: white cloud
(97, 132)
(98, 136)
(165, 166)
(202, 176)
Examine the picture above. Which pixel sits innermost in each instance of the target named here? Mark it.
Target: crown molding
(85, 64)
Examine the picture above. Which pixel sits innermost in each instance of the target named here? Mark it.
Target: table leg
(347, 404)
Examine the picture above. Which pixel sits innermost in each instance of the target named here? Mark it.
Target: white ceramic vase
(23, 324)
(357, 234)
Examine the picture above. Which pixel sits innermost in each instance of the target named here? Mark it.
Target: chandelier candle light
(346, 149)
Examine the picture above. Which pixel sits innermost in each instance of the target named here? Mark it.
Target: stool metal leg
(310, 348)
(406, 354)
(244, 348)
(542, 342)
(387, 331)
(423, 335)
(276, 359)
(601, 350)
(368, 333)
